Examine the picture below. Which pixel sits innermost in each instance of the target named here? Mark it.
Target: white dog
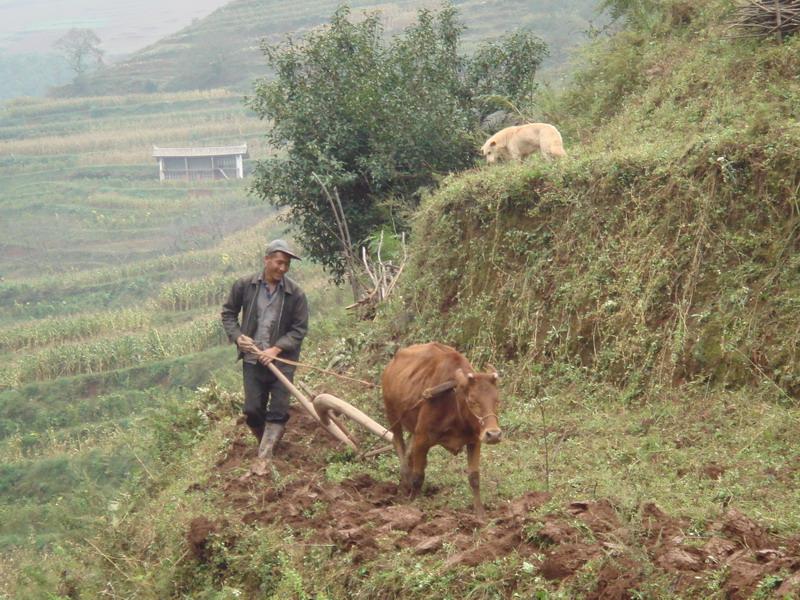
(520, 141)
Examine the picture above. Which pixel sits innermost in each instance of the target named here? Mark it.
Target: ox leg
(474, 474)
(418, 460)
(402, 453)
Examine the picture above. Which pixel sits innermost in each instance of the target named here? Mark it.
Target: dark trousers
(265, 398)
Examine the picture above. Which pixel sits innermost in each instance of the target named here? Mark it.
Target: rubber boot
(273, 432)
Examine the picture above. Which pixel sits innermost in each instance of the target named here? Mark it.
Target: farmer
(274, 323)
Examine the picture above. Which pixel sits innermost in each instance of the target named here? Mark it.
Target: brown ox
(432, 391)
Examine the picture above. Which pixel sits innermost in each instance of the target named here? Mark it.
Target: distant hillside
(31, 74)
(224, 48)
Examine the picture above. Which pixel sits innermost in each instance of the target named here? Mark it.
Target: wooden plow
(327, 410)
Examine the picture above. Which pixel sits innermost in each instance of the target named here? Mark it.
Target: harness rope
(321, 370)
(253, 349)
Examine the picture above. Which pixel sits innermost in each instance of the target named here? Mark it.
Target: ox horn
(439, 389)
(493, 371)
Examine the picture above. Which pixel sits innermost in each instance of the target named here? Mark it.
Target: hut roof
(204, 151)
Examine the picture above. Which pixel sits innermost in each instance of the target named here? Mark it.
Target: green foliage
(654, 255)
(106, 296)
(48, 331)
(347, 107)
(634, 12)
(507, 67)
(374, 120)
(562, 275)
(113, 353)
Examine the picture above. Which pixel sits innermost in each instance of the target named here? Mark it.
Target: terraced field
(110, 292)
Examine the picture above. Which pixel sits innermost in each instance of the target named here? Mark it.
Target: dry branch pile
(383, 274)
(760, 18)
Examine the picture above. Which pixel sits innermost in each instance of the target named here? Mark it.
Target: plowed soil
(367, 518)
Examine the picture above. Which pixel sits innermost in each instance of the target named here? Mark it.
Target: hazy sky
(123, 25)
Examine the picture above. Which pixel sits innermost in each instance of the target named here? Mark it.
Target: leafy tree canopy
(81, 48)
(507, 67)
(377, 120)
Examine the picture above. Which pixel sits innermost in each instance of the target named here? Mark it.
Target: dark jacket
(292, 320)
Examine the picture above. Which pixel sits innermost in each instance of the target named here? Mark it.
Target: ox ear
(493, 143)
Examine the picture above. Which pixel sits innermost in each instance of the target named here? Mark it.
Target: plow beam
(325, 404)
(327, 424)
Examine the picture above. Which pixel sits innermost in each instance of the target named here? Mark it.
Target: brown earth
(367, 518)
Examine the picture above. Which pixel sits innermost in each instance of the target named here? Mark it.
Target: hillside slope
(640, 301)
(223, 49)
(110, 287)
(665, 250)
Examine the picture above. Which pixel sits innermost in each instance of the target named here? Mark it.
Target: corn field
(235, 253)
(30, 107)
(103, 141)
(113, 353)
(47, 332)
(191, 294)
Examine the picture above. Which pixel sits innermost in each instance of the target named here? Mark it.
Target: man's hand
(265, 356)
(246, 344)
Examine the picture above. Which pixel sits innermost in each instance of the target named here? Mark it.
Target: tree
(373, 121)
(507, 67)
(81, 48)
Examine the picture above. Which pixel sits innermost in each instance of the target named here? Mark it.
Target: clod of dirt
(565, 559)
(790, 588)
(744, 530)
(520, 507)
(361, 537)
(718, 549)
(487, 550)
(659, 526)
(554, 532)
(197, 537)
(429, 545)
(712, 471)
(743, 578)
(396, 518)
(617, 580)
(682, 559)
(600, 516)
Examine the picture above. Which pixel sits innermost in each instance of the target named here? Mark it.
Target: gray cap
(280, 246)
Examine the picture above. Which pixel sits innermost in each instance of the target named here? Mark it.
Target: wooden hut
(189, 164)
